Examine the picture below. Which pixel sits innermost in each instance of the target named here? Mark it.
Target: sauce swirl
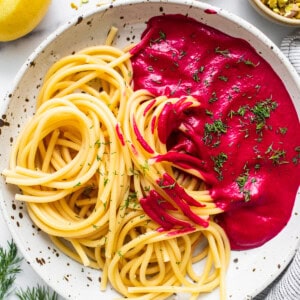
(244, 135)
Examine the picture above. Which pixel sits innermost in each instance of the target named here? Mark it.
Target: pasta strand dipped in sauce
(243, 138)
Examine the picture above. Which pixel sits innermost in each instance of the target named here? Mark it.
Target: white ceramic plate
(249, 271)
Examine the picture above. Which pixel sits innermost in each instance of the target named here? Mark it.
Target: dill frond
(9, 268)
(37, 293)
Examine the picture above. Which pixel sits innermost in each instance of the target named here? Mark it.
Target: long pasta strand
(84, 161)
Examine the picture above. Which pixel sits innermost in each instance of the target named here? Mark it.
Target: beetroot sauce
(243, 138)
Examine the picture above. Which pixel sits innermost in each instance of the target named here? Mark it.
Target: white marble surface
(14, 54)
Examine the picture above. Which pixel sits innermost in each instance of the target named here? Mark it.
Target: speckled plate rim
(237, 261)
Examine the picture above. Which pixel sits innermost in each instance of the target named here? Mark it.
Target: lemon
(19, 17)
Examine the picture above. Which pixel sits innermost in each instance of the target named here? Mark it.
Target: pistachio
(286, 8)
(292, 10)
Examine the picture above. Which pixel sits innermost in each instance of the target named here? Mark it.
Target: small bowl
(267, 12)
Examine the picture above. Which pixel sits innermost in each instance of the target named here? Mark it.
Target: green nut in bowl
(284, 12)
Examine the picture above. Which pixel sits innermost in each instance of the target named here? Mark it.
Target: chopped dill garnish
(213, 129)
(219, 160)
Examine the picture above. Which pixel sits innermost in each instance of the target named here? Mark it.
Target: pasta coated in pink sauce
(243, 138)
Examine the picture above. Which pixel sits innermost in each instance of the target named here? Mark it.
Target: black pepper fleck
(79, 20)
(3, 123)
(40, 261)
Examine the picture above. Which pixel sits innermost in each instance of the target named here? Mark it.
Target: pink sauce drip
(210, 11)
(140, 138)
(181, 231)
(149, 106)
(251, 162)
(153, 122)
(133, 149)
(120, 135)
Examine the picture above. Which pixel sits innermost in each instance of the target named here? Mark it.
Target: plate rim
(68, 24)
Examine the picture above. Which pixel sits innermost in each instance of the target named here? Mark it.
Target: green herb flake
(236, 88)
(145, 166)
(131, 198)
(196, 77)
(248, 62)
(208, 112)
(182, 54)
(216, 129)
(296, 158)
(97, 143)
(257, 167)
(283, 130)
(224, 52)
(106, 180)
(262, 111)
(223, 78)
(162, 37)
(231, 113)
(150, 69)
(241, 181)
(219, 160)
(276, 155)
(147, 188)
(104, 204)
(206, 83)
(213, 98)
(242, 110)
(166, 186)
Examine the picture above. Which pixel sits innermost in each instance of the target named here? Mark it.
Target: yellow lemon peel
(19, 17)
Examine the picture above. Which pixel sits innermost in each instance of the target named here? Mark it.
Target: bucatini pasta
(84, 162)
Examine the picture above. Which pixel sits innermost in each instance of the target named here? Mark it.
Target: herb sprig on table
(10, 266)
(36, 293)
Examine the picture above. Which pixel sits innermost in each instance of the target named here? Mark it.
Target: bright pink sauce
(120, 135)
(210, 11)
(243, 138)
